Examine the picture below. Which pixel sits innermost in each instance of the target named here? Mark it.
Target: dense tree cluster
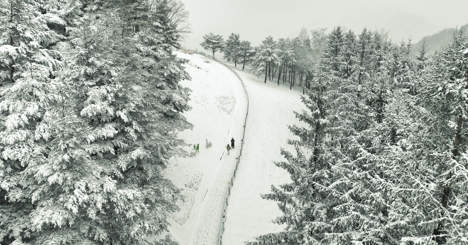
(383, 158)
(90, 106)
(233, 48)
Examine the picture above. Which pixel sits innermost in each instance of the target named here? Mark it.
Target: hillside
(436, 41)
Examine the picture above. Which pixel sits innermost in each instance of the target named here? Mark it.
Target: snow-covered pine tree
(232, 49)
(246, 53)
(422, 63)
(306, 60)
(331, 56)
(266, 55)
(285, 54)
(296, 46)
(97, 176)
(27, 91)
(363, 53)
(213, 43)
(438, 172)
(349, 59)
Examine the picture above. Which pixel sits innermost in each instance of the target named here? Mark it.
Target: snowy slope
(270, 111)
(218, 111)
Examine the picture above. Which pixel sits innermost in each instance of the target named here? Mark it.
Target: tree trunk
(269, 70)
(243, 65)
(290, 78)
(302, 76)
(235, 63)
(293, 77)
(279, 73)
(285, 71)
(266, 72)
(273, 72)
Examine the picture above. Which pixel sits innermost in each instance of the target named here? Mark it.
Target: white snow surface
(219, 107)
(271, 111)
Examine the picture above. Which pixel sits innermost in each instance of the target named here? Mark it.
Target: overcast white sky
(256, 19)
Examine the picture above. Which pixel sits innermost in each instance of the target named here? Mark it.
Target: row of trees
(383, 158)
(90, 106)
(286, 60)
(234, 49)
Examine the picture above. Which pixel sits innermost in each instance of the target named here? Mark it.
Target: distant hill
(436, 41)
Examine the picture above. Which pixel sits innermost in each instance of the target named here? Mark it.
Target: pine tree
(363, 52)
(212, 43)
(439, 143)
(334, 48)
(285, 53)
(232, 48)
(106, 133)
(246, 53)
(423, 51)
(265, 56)
(27, 92)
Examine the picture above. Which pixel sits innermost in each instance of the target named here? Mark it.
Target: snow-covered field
(219, 106)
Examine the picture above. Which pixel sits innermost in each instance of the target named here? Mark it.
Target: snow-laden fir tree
(109, 131)
(27, 91)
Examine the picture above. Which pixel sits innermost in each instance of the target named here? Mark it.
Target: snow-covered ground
(270, 111)
(219, 106)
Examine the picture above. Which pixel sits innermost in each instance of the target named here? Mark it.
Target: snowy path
(208, 228)
(270, 111)
(219, 106)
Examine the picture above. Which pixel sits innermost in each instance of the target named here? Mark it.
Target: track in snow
(208, 226)
(270, 112)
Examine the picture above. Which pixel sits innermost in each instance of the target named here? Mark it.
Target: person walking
(232, 143)
(228, 148)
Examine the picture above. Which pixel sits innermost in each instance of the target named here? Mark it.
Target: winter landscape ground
(113, 131)
(219, 107)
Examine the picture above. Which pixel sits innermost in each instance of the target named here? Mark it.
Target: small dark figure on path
(232, 143)
(198, 148)
(228, 148)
